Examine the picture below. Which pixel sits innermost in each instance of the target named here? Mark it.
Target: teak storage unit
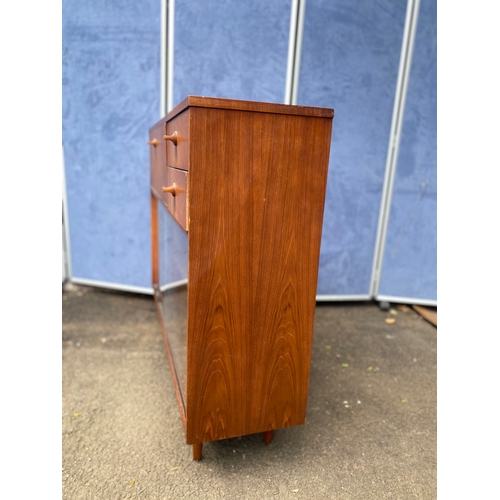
(245, 184)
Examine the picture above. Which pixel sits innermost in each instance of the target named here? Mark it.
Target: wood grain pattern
(257, 187)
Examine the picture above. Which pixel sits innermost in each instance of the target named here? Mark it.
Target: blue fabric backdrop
(230, 49)
(350, 61)
(111, 96)
(409, 265)
(350, 58)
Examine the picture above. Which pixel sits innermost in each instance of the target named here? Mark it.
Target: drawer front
(177, 195)
(178, 144)
(158, 163)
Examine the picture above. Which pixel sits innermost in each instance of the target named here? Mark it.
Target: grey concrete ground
(371, 421)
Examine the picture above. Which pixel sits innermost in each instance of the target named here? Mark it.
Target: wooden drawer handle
(154, 142)
(172, 138)
(173, 189)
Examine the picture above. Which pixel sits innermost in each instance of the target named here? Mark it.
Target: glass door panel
(172, 291)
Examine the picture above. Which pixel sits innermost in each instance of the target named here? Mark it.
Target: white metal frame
(340, 298)
(170, 54)
(65, 232)
(295, 37)
(174, 284)
(406, 300)
(113, 286)
(393, 149)
(163, 59)
(167, 56)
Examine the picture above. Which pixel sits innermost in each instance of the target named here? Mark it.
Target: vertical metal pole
(170, 54)
(167, 56)
(66, 246)
(163, 60)
(394, 140)
(292, 38)
(294, 51)
(298, 50)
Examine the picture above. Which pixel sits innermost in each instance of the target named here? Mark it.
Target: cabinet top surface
(239, 105)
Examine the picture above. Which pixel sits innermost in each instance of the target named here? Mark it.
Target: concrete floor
(371, 420)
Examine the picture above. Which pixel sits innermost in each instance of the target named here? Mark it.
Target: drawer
(158, 158)
(177, 195)
(178, 144)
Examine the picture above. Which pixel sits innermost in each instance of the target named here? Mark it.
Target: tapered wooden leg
(268, 436)
(197, 451)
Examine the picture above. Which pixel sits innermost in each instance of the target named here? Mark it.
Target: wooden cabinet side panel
(288, 215)
(257, 187)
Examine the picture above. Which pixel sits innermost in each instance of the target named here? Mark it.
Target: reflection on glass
(172, 292)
